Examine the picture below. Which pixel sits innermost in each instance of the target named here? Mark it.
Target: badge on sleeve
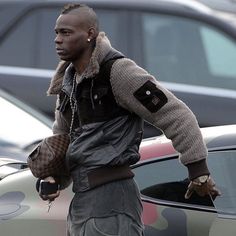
(151, 97)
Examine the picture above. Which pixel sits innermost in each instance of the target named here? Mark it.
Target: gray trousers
(111, 209)
(118, 225)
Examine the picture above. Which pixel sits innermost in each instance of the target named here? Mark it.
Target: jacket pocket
(94, 95)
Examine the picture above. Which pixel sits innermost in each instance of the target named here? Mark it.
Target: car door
(24, 213)
(163, 183)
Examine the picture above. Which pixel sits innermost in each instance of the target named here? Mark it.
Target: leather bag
(48, 158)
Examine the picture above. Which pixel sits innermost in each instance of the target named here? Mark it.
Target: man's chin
(64, 58)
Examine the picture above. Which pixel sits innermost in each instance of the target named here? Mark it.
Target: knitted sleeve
(139, 92)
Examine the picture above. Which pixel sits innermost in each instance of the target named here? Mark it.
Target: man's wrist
(201, 180)
(198, 168)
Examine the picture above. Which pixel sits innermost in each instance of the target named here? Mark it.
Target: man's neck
(82, 63)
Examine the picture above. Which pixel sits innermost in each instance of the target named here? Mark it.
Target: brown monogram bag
(48, 158)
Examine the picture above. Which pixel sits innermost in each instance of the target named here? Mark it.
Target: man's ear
(92, 33)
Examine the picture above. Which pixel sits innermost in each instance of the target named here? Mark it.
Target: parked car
(21, 127)
(190, 50)
(162, 181)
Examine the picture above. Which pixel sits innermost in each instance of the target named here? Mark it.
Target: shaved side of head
(86, 14)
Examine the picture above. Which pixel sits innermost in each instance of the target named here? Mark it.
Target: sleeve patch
(151, 97)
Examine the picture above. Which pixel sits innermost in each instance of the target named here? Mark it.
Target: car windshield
(18, 128)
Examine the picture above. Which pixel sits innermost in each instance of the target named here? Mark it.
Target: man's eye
(66, 32)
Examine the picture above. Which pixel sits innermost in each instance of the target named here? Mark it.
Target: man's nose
(58, 39)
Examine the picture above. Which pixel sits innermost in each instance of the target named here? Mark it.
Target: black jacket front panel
(96, 102)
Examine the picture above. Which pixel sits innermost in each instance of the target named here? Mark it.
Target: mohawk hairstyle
(71, 6)
(92, 16)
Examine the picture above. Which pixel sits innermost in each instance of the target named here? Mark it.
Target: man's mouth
(60, 51)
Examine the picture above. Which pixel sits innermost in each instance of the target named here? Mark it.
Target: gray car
(188, 48)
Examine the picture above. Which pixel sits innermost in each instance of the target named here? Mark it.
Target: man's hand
(45, 187)
(202, 189)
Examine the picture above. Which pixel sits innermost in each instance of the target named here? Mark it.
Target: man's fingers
(189, 191)
(188, 194)
(208, 188)
(50, 197)
(215, 192)
(212, 187)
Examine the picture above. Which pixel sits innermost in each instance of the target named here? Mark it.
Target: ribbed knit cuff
(197, 169)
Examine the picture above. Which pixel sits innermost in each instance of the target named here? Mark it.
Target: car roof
(187, 5)
(216, 138)
(187, 8)
(222, 5)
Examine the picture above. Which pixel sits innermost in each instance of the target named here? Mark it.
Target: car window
(31, 42)
(222, 166)
(18, 128)
(163, 180)
(220, 52)
(167, 180)
(181, 50)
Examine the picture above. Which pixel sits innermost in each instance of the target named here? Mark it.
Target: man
(103, 99)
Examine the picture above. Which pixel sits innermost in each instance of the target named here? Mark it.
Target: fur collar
(103, 46)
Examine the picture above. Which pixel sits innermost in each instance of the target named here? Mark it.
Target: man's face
(71, 37)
